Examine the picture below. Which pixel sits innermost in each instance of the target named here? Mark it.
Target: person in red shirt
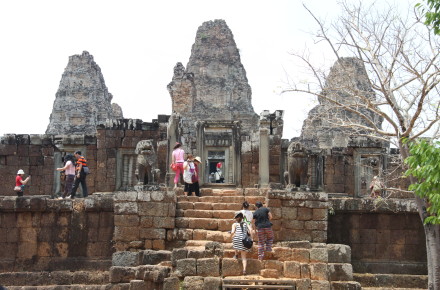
(20, 183)
(80, 177)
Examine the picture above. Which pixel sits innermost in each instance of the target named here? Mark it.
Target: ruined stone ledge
(374, 205)
(301, 195)
(41, 203)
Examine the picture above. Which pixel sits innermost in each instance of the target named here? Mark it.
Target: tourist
(262, 217)
(69, 170)
(80, 177)
(219, 174)
(189, 170)
(247, 215)
(376, 187)
(197, 162)
(178, 159)
(238, 232)
(20, 183)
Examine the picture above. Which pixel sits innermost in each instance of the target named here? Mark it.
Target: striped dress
(237, 243)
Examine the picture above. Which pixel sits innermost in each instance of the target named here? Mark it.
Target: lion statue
(146, 165)
(297, 165)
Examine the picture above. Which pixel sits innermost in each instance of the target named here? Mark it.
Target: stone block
(316, 225)
(202, 205)
(146, 221)
(125, 208)
(158, 245)
(270, 273)
(319, 236)
(127, 259)
(153, 234)
(199, 223)
(318, 271)
(151, 257)
(121, 274)
(121, 196)
(153, 209)
(346, 285)
(208, 267)
(138, 285)
(163, 222)
(178, 254)
(292, 269)
(304, 214)
(172, 283)
(231, 267)
(212, 283)
(144, 196)
(320, 285)
(305, 271)
(127, 234)
(289, 213)
(125, 220)
(292, 224)
(158, 195)
(186, 267)
(340, 271)
(61, 277)
(193, 283)
(274, 264)
(26, 250)
(338, 253)
(319, 255)
(320, 214)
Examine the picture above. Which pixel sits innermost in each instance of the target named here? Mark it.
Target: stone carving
(82, 101)
(146, 165)
(297, 165)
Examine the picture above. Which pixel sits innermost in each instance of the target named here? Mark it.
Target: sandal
(244, 272)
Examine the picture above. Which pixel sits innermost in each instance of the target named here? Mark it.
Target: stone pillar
(264, 158)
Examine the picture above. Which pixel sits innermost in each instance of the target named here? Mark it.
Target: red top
(219, 165)
(81, 160)
(18, 180)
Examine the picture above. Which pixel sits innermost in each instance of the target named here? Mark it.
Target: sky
(137, 44)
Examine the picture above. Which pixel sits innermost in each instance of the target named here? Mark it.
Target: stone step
(222, 225)
(221, 199)
(53, 278)
(391, 280)
(212, 214)
(63, 287)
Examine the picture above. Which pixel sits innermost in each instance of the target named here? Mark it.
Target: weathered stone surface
(172, 283)
(121, 274)
(126, 259)
(193, 283)
(208, 267)
(340, 272)
(338, 253)
(186, 267)
(83, 91)
(151, 257)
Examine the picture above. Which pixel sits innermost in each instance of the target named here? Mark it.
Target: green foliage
(432, 16)
(424, 165)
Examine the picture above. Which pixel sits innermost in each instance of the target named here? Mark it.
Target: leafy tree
(402, 61)
(432, 16)
(424, 165)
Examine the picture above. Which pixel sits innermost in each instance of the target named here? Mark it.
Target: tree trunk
(432, 235)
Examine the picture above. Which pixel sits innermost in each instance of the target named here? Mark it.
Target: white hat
(198, 159)
(20, 171)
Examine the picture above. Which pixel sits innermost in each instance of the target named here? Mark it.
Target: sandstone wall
(40, 155)
(144, 219)
(41, 234)
(299, 216)
(385, 237)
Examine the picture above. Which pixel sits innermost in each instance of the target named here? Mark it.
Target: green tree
(432, 14)
(424, 165)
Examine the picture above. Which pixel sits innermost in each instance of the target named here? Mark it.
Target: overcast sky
(137, 43)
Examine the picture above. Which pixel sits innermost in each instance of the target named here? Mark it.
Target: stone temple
(134, 231)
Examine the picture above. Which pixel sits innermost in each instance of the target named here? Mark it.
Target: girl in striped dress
(238, 235)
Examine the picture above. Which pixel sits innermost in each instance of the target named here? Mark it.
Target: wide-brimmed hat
(237, 214)
(21, 171)
(198, 159)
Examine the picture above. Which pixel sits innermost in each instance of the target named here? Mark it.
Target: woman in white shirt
(69, 169)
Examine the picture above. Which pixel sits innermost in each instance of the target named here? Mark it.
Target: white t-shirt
(70, 169)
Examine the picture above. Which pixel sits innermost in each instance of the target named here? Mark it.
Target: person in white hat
(20, 183)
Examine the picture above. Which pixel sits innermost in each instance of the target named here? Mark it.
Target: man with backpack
(81, 172)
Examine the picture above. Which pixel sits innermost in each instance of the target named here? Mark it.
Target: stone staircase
(205, 260)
